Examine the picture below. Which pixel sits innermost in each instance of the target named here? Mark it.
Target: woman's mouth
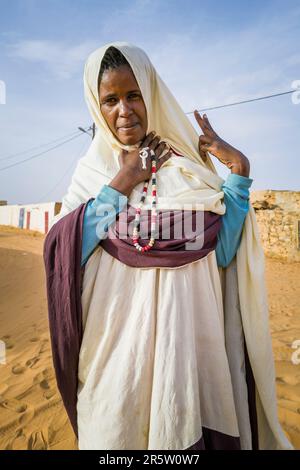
(128, 129)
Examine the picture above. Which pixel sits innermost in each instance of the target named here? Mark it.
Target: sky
(208, 53)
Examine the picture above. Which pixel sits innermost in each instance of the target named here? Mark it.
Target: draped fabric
(171, 249)
(75, 337)
(183, 183)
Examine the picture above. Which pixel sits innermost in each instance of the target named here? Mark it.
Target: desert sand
(31, 411)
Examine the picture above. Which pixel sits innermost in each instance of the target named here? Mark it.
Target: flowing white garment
(153, 367)
(179, 181)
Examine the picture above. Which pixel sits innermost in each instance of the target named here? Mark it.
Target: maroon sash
(183, 236)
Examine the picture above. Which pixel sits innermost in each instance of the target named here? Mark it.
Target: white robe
(153, 366)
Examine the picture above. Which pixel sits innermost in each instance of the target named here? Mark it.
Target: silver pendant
(143, 155)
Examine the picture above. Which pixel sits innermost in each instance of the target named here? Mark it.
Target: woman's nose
(124, 108)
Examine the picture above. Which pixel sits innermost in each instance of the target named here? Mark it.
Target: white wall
(10, 215)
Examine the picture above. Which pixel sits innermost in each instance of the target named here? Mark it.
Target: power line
(86, 130)
(78, 133)
(242, 102)
(8, 157)
(41, 153)
(65, 173)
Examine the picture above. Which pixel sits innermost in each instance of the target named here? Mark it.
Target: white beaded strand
(135, 234)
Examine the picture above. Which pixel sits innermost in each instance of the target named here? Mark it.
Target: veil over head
(163, 111)
(180, 180)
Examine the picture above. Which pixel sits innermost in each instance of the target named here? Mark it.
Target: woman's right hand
(131, 162)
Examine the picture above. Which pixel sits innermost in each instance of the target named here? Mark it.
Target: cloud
(203, 65)
(60, 59)
(205, 68)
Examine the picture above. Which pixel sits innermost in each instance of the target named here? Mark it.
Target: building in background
(29, 216)
(278, 217)
(277, 213)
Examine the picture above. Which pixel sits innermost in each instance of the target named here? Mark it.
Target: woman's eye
(113, 100)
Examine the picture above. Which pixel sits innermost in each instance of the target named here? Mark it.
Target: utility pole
(91, 128)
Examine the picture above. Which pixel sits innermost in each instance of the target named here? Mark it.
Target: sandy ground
(31, 411)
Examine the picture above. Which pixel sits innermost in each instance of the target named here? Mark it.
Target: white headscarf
(183, 180)
(180, 180)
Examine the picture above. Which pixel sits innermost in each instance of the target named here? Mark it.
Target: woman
(166, 347)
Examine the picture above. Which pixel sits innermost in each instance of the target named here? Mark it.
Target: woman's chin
(131, 142)
(131, 139)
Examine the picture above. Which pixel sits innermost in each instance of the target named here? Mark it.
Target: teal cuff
(111, 196)
(238, 184)
(234, 180)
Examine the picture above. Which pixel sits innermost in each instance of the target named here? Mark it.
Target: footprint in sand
(8, 344)
(18, 442)
(45, 374)
(13, 405)
(42, 378)
(18, 369)
(49, 394)
(44, 346)
(35, 339)
(32, 361)
(37, 441)
(44, 384)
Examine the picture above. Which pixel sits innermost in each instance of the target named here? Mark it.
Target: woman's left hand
(210, 142)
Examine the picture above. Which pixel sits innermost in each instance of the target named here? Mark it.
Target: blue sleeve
(99, 214)
(236, 199)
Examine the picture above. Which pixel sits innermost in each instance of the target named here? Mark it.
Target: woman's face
(122, 105)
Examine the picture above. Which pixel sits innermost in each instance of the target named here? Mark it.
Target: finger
(146, 142)
(205, 147)
(199, 119)
(205, 139)
(163, 159)
(202, 152)
(161, 148)
(204, 124)
(203, 155)
(155, 142)
(207, 123)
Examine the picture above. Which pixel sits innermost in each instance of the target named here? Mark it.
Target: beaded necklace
(136, 225)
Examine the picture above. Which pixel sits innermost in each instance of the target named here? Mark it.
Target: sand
(31, 411)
